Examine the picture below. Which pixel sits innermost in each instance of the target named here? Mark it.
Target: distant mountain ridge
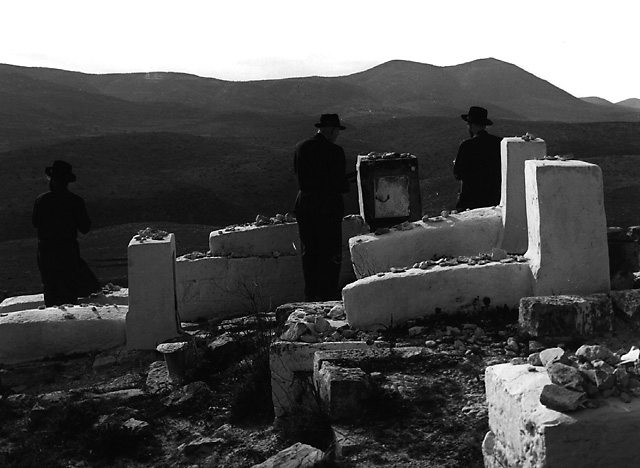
(393, 89)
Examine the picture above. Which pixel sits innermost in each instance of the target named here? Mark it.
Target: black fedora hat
(477, 115)
(60, 170)
(330, 120)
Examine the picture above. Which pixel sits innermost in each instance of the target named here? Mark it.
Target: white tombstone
(514, 152)
(152, 316)
(567, 228)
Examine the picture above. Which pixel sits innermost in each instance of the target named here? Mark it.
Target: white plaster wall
(250, 241)
(215, 287)
(152, 316)
(528, 434)
(38, 333)
(14, 304)
(467, 233)
(567, 228)
(514, 152)
(377, 302)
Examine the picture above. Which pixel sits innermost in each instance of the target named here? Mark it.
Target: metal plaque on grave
(388, 188)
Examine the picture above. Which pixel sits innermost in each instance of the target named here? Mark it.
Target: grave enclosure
(550, 219)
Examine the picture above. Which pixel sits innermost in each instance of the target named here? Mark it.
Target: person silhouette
(58, 215)
(478, 163)
(319, 165)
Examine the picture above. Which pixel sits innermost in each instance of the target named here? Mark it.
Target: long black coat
(478, 166)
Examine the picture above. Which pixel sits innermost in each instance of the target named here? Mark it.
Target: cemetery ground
(119, 408)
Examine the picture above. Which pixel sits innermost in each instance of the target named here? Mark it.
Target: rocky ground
(120, 408)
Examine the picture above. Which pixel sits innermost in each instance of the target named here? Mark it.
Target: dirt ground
(118, 408)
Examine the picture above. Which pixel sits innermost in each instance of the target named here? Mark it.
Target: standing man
(58, 215)
(319, 165)
(478, 164)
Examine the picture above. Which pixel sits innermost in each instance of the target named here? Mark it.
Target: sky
(586, 47)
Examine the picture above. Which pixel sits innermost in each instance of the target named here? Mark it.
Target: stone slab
(255, 241)
(219, 287)
(467, 233)
(286, 359)
(152, 316)
(34, 301)
(514, 152)
(299, 455)
(528, 434)
(567, 228)
(392, 299)
(341, 390)
(626, 303)
(38, 333)
(566, 316)
(13, 304)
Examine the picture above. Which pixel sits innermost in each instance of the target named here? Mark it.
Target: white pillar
(567, 228)
(515, 151)
(152, 316)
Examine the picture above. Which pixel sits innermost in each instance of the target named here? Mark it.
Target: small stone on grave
(561, 399)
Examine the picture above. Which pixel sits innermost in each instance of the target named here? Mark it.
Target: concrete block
(566, 316)
(290, 359)
(341, 390)
(392, 299)
(152, 316)
(38, 333)
(255, 241)
(219, 287)
(567, 228)
(467, 233)
(515, 151)
(528, 434)
(13, 304)
(626, 303)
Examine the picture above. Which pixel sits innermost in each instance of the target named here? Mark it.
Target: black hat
(477, 115)
(330, 120)
(61, 170)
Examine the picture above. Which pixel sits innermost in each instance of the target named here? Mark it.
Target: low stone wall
(218, 287)
(394, 298)
(525, 433)
(467, 233)
(38, 333)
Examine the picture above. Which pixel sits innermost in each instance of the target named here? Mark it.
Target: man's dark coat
(478, 166)
(320, 168)
(58, 215)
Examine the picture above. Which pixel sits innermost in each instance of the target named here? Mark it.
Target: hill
(597, 100)
(632, 103)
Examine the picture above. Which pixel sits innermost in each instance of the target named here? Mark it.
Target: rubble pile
(150, 234)
(584, 378)
(262, 220)
(496, 256)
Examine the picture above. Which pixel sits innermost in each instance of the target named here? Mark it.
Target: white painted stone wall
(255, 241)
(392, 299)
(152, 316)
(288, 358)
(567, 228)
(528, 434)
(14, 304)
(218, 287)
(514, 152)
(467, 233)
(34, 334)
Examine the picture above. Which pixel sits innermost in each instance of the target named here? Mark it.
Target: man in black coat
(58, 215)
(478, 164)
(319, 165)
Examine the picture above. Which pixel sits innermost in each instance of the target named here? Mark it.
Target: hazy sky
(586, 47)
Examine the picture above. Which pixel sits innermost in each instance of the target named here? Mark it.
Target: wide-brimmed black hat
(61, 170)
(330, 120)
(477, 115)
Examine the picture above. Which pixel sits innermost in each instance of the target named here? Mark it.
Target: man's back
(58, 216)
(478, 166)
(319, 166)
